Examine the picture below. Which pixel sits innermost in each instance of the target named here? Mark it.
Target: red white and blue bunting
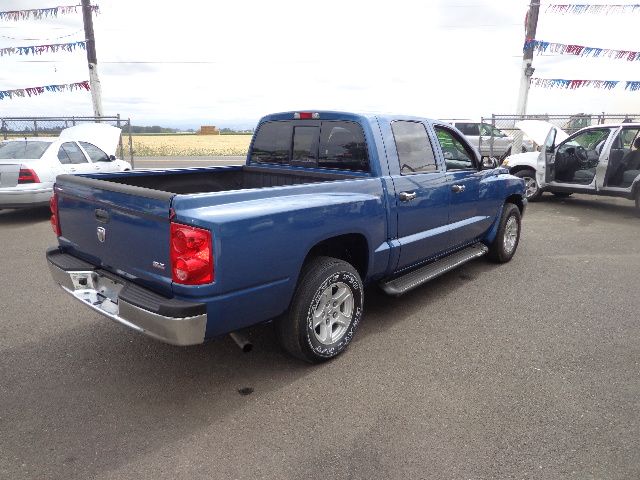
(540, 47)
(43, 13)
(40, 49)
(575, 84)
(591, 9)
(33, 91)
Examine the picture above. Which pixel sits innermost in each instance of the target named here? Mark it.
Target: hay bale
(208, 130)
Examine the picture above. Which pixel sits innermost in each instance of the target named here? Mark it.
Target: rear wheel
(506, 242)
(325, 312)
(532, 192)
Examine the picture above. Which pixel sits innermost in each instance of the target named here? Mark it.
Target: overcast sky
(197, 62)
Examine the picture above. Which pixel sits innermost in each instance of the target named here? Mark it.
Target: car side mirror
(112, 158)
(549, 149)
(489, 162)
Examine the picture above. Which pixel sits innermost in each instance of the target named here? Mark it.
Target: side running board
(415, 278)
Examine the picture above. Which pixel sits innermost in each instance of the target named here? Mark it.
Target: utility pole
(92, 58)
(531, 24)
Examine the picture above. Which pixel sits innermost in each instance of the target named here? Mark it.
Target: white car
(29, 166)
(598, 160)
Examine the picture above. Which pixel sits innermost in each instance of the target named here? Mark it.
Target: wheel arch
(350, 247)
(520, 168)
(517, 200)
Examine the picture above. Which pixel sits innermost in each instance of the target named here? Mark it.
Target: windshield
(15, 150)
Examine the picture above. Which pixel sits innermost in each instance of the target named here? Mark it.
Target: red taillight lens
(55, 218)
(191, 255)
(27, 175)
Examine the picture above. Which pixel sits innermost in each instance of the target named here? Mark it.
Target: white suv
(481, 136)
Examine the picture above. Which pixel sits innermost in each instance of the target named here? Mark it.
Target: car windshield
(15, 150)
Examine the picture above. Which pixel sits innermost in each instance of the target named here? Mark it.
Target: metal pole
(92, 58)
(531, 24)
(130, 142)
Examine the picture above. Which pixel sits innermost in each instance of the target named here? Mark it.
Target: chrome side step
(415, 278)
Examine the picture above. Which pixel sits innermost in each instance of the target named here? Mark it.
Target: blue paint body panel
(261, 236)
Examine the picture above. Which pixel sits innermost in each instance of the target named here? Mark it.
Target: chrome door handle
(458, 188)
(406, 196)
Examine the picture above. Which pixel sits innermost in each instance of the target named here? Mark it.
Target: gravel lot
(525, 370)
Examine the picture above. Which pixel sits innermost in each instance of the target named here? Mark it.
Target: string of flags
(40, 49)
(34, 91)
(591, 9)
(540, 47)
(632, 86)
(43, 13)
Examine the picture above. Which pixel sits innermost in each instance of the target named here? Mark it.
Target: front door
(422, 195)
(472, 208)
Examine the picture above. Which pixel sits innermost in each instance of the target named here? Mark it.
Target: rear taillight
(306, 115)
(55, 217)
(27, 175)
(191, 255)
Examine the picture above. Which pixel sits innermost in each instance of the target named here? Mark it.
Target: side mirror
(112, 158)
(489, 162)
(549, 149)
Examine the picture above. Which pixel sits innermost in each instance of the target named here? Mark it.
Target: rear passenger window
(470, 129)
(70, 153)
(342, 146)
(414, 148)
(272, 143)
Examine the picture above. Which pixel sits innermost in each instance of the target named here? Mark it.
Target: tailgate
(120, 228)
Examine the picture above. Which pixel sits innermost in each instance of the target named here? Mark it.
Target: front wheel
(532, 190)
(325, 312)
(506, 242)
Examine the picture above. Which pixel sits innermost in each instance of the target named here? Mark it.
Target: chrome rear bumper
(169, 320)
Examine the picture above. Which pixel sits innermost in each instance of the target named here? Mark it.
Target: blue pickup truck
(326, 203)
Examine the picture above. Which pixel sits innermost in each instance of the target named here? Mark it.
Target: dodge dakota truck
(327, 202)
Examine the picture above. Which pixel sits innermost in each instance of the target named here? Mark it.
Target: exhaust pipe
(242, 341)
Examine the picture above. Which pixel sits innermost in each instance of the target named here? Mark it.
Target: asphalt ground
(524, 370)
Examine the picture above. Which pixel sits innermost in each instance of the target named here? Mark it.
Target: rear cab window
(415, 152)
(330, 144)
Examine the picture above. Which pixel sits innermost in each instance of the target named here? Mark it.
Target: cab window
(457, 155)
(415, 153)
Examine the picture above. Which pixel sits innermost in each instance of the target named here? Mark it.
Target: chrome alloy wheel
(333, 314)
(531, 187)
(510, 234)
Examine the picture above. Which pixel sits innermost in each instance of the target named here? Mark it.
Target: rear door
(73, 159)
(422, 195)
(474, 203)
(118, 227)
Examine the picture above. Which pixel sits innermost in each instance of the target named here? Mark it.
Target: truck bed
(220, 179)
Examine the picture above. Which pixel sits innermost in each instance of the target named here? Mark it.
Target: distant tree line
(152, 129)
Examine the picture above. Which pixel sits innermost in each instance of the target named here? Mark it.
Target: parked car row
(29, 166)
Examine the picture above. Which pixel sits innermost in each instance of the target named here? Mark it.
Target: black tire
(562, 194)
(499, 250)
(296, 330)
(530, 174)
